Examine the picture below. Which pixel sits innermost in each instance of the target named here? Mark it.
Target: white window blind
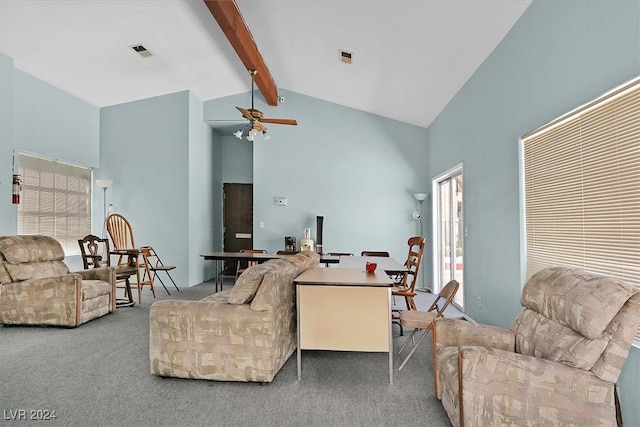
(55, 201)
(582, 188)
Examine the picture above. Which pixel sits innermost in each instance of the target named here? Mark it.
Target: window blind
(582, 188)
(55, 201)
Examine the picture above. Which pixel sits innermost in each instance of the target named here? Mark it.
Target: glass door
(448, 232)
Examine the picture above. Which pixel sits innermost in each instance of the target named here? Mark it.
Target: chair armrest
(500, 387)
(55, 300)
(34, 288)
(455, 332)
(102, 273)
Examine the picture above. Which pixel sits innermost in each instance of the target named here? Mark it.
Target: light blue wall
(237, 166)
(40, 119)
(558, 56)
(356, 169)
(159, 155)
(8, 211)
(204, 198)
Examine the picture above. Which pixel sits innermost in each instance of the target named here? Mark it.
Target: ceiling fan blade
(280, 121)
(245, 113)
(259, 126)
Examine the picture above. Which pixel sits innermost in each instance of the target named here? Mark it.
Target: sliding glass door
(448, 232)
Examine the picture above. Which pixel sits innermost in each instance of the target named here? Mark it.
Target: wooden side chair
(286, 252)
(407, 283)
(124, 246)
(95, 253)
(240, 268)
(375, 253)
(424, 320)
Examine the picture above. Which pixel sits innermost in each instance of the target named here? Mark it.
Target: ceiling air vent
(345, 57)
(141, 50)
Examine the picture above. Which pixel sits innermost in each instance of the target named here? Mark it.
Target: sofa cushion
(19, 249)
(4, 274)
(583, 301)
(281, 279)
(268, 295)
(248, 283)
(36, 270)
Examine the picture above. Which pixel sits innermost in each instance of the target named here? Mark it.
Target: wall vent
(346, 57)
(141, 50)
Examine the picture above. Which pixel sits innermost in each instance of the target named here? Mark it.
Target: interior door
(238, 217)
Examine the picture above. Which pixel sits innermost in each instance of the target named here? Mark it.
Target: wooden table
(219, 257)
(389, 265)
(344, 309)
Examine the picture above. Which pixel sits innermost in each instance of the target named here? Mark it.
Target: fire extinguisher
(17, 186)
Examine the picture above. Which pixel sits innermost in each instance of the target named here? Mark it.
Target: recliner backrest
(578, 318)
(27, 257)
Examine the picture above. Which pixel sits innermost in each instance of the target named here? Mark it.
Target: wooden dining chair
(95, 252)
(424, 320)
(241, 267)
(124, 245)
(407, 283)
(375, 253)
(287, 252)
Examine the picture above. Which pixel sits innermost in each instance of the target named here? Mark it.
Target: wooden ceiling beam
(228, 16)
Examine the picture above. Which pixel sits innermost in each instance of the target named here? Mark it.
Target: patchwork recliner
(36, 287)
(558, 363)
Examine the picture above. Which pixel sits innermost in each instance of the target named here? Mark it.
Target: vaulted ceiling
(409, 57)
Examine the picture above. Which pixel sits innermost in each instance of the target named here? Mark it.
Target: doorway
(237, 219)
(448, 231)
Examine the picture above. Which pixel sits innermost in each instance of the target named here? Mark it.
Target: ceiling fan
(257, 118)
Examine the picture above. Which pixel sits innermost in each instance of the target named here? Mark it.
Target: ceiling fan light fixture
(252, 134)
(238, 134)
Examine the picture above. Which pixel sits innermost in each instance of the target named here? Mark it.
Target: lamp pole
(104, 184)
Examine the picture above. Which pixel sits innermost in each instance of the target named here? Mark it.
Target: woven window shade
(582, 189)
(55, 201)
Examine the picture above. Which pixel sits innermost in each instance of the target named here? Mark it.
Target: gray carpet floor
(98, 375)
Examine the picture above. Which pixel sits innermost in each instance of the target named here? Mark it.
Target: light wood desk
(344, 309)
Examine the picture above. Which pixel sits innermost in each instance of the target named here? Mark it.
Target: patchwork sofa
(558, 363)
(245, 333)
(36, 287)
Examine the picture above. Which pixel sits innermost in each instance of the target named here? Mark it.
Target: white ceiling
(410, 57)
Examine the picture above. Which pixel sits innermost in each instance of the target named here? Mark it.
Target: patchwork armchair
(36, 287)
(558, 363)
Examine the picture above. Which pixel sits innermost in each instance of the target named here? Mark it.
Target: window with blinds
(55, 201)
(582, 188)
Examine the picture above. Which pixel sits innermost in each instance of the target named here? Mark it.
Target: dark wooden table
(219, 257)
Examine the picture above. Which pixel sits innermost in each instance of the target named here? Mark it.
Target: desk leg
(298, 350)
(218, 280)
(390, 342)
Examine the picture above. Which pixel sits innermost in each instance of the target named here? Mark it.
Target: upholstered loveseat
(245, 333)
(558, 363)
(38, 289)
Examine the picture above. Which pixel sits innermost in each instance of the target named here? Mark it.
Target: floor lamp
(104, 184)
(420, 197)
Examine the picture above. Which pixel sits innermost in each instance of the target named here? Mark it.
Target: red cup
(371, 267)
